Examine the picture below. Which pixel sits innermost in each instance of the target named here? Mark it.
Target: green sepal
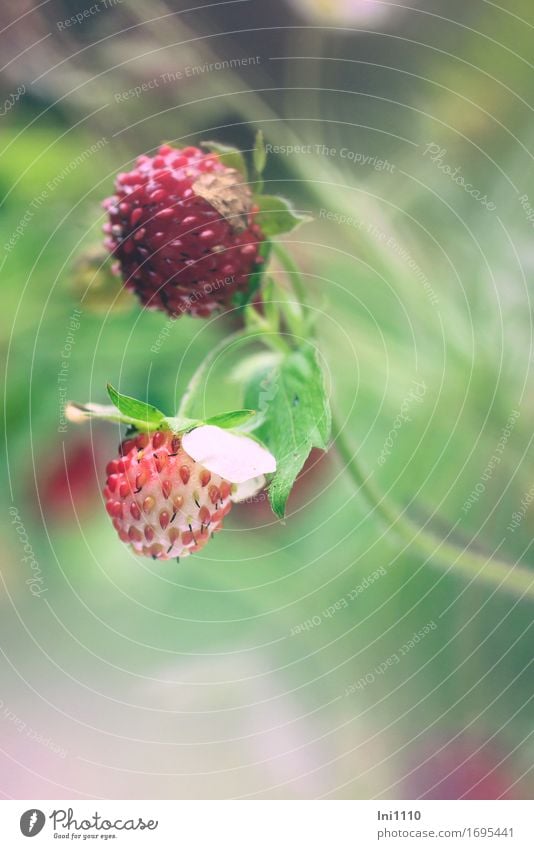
(141, 415)
(259, 161)
(231, 419)
(179, 424)
(229, 156)
(228, 420)
(276, 215)
(259, 154)
(125, 410)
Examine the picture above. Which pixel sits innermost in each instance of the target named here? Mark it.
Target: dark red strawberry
(181, 225)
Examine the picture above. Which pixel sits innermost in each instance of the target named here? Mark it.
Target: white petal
(247, 490)
(234, 457)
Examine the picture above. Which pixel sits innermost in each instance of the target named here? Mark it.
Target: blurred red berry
(465, 768)
(311, 480)
(66, 479)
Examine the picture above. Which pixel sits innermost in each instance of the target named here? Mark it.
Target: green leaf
(259, 154)
(276, 215)
(234, 418)
(141, 415)
(295, 416)
(230, 156)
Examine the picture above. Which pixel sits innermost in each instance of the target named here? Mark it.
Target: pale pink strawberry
(162, 502)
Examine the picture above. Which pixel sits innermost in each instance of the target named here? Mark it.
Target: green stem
(245, 336)
(293, 271)
(514, 578)
(189, 398)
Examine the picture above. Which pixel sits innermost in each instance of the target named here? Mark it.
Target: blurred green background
(279, 662)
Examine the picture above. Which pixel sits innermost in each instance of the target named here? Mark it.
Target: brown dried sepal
(228, 194)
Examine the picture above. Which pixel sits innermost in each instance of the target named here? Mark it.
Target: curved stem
(514, 578)
(241, 337)
(190, 395)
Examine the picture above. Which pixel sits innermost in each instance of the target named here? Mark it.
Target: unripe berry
(162, 502)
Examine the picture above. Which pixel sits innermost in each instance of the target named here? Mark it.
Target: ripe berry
(162, 502)
(181, 226)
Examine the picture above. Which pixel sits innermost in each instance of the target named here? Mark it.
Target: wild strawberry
(181, 226)
(162, 502)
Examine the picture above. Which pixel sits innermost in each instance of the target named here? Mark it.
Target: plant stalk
(513, 578)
